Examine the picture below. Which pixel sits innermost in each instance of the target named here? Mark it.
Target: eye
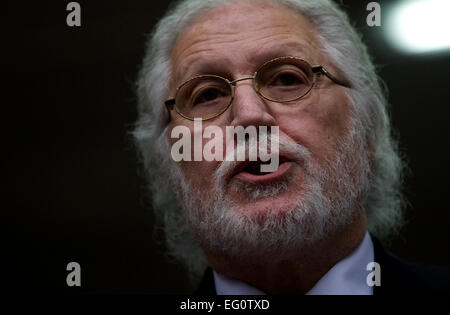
(202, 94)
(207, 95)
(287, 79)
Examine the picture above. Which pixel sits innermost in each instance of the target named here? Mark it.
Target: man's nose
(249, 108)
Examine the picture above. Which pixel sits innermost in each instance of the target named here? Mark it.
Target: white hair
(383, 201)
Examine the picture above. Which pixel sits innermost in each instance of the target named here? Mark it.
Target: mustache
(288, 150)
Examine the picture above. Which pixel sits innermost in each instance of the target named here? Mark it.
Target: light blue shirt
(347, 277)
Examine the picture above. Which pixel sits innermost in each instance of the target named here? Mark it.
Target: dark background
(70, 180)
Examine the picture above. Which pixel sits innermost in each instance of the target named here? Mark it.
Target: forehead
(239, 37)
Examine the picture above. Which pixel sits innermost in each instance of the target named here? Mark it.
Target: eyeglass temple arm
(322, 70)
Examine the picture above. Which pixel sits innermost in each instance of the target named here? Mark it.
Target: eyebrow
(219, 66)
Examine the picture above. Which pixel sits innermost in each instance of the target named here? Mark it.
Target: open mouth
(254, 168)
(250, 171)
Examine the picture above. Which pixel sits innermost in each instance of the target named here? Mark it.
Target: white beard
(328, 201)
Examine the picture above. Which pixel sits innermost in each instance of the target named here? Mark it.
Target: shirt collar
(347, 277)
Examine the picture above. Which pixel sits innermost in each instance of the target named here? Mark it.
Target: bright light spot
(420, 25)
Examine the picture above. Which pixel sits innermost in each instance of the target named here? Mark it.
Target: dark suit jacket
(398, 277)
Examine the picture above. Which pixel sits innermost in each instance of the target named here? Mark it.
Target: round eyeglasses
(281, 80)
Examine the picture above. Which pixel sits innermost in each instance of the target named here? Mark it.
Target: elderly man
(303, 227)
